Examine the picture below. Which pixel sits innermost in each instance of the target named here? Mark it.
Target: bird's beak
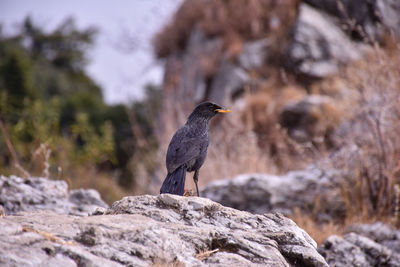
(220, 110)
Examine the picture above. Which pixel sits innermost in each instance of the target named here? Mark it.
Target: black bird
(187, 150)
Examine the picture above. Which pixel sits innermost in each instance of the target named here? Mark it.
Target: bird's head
(207, 110)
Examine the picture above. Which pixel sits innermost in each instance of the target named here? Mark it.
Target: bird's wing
(183, 148)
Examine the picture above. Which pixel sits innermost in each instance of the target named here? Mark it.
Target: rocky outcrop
(297, 42)
(164, 229)
(364, 19)
(31, 194)
(261, 193)
(319, 45)
(363, 245)
(169, 230)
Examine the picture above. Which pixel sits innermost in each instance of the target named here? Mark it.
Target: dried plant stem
(12, 150)
(8, 142)
(48, 236)
(205, 254)
(45, 152)
(397, 205)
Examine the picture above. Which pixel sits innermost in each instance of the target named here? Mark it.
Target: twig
(48, 236)
(12, 150)
(205, 254)
(8, 142)
(397, 205)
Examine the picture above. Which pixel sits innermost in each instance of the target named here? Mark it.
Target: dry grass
(48, 236)
(364, 119)
(319, 232)
(202, 255)
(233, 151)
(396, 212)
(370, 145)
(261, 117)
(368, 150)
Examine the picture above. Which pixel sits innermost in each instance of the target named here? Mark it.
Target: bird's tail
(174, 183)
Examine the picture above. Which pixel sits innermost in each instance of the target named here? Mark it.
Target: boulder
(389, 14)
(368, 19)
(374, 245)
(319, 46)
(198, 62)
(164, 229)
(378, 232)
(228, 81)
(312, 118)
(261, 193)
(18, 194)
(254, 54)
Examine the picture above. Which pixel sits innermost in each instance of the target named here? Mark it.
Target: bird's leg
(196, 178)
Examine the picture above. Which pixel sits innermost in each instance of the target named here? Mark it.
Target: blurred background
(77, 81)
(92, 92)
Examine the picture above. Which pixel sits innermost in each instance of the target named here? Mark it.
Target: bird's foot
(189, 193)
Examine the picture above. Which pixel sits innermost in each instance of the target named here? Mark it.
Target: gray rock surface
(378, 232)
(261, 193)
(227, 82)
(355, 249)
(319, 46)
(312, 117)
(364, 18)
(18, 194)
(197, 60)
(389, 13)
(254, 54)
(164, 229)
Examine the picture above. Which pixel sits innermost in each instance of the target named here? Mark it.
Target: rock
(389, 13)
(202, 73)
(188, 78)
(356, 250)
(198, 62)
(164, 229)
(261, 193)
(17, 194)
(228, 81)
(319, 46)
(254, 54)
(352, 13)
(364, 18)
(378, 232)
(187, 71)
(313, 117)
(86, 201)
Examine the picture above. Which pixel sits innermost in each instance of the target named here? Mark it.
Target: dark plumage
(187, 150)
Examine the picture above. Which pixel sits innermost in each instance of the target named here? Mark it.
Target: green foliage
(15, 78)
(92, 147)
(49, 102)
(38, 123)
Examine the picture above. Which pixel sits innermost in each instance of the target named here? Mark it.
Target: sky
(122, 60)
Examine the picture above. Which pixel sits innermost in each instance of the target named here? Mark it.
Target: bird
(187, 150)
